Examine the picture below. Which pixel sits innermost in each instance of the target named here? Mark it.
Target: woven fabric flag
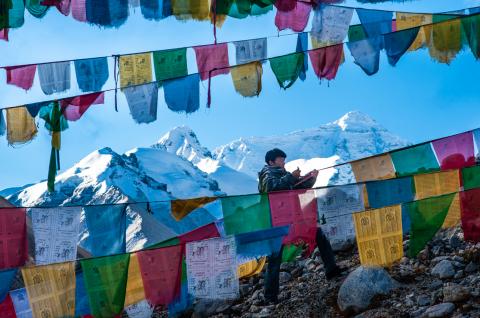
(471, 27)
(250, 50)
(373, 168)
(212, 60)
(13, 238)
(302, 47)
(397, 43)
(326, 60)
(4, 34)
(161, 273)
(379, 236)
(285, 5)
(212, 269)
(6, 307)
(106, 282)
(108, 13)
(455, 151)
(92, 74)
(247, 79)
(246, 213)
(54, 77)
(335, 206)
(470, 203)
(21, 76)
(427, 217)
(183, 94)
(290, 252)
(446, 38)
(366, 53)
(375, 22)
(156, 9)
(12, 14)
(21, 303)
(6, 277)
(51, 289)
(251, 268)
(135, 291)
(202, 233)
(36, 9)
(79, 11)
(191, 9)
(287, 68)
(295, 19)
(74, 108)
(170, 64)
(181, 208)
(414, 160)
(142, 101)
(471, 177)
(21, 127)
(330, 24)
(103, 238)
(55, 232)
(63, 6)
(411, 20)
(390, 192)
(135, 69)
(454, 213)
(141, 309)
(82, 305)
(260, 243)
(184, 300)
(3, 124)
(435, 184)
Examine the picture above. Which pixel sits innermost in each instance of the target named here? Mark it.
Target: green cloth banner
(291, 252)
(106, 280)
(426, 217)
(248, 213)
(11, 13)
(170, 64)
(418, 159)
(471, 177)
(471, 28)
(36, 9)
(287, 68)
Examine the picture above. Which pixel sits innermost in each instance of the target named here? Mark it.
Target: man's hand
(296, 173)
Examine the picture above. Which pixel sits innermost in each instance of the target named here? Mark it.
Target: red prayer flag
(212, 60)
(161, 273)
(73, 108)
(299, 210)
(285, 5)
(79, 12)
(470, 205)
(21, 76)
(295, 19)
(13, 238)
(64, 7)
(7, 310)
(200, 234)
(455, 151)
(327, 60)
(4, 34)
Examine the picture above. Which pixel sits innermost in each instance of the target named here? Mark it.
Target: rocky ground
(443, 281)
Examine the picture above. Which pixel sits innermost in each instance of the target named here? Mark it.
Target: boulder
(439, 311)
(444, 269)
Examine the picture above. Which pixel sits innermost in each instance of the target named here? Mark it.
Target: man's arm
(283, 183)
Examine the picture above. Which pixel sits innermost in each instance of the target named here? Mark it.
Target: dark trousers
(272, 275)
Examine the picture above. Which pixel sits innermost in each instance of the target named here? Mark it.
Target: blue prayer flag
(302, 46)
(156, 9)
(183, 94)
(21, 303)
(375, 22)
(6, 279)
(390, 192)
(91, 74)
(397, 43)
(260, 243)
(82, 304)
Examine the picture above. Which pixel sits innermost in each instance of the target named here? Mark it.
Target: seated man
(274, 177)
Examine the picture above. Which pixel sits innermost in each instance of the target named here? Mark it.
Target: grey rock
(439, 311)
(444, 269)
(361, 286)
(455, 242)
(284, 277)
(471, 267)
(423, 300)
(434, 285)
(455, 293)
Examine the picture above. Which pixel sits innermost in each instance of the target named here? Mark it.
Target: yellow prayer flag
(135, 69)
(247, 79)
(453, 215)
(446, 40)
(181, 208)
(191, 9)
(251, 268)
(379, 235)
(21, 126)
(51, 289)
(435, 184)
(135, 291)
(374, 168)
(411, 20)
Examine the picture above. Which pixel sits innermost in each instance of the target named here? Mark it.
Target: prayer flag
(476, 138)
(4, 34)
(36, 9)
(184, 300)
(251, 268)
(446, 38)
(470, 203)
(191, 9)
(199, 234)
(330, 24)
(13, 238)
(135, 291)
(103, 238)
(260, 243)
(12, 14)
(51, 289)
(290, 252)
(246, 213)
(366, 53)
(302, 47)
(63, 6)
(82, 305)
(212, 60)
(250, 50)
(287, 68)
(471, 177)
(54, 77)
(79, 12)
(295, 19)
(435, 184)
(74, 108)
(455, 151)
(161, 273)
(375, 22)
(453, 215)
(142, 101)
(427, 217)
(170, 64)
(6, 277)
(21, 76)
(379, 236)
(156, 9)
(414, 160)
(141, 309)
(397, 43)
(326, 60)
(183, 94)
(21, 303)
(135, 69)
(92, 74)
(373, 168)
(3, 124)
(247, 79)
(181, 208)
(108, 13)
(411, 20)
(55, 231)
(106, 281)
(471, 27)
(390, 192)
(34, 109)
(6, 307)
(21, 127)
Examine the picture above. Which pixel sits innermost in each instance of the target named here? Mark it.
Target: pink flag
(326, 61)
(200, 234)
(21, 76)
(73, 108)
(295, 19)
(212, 60)
(455, 152)
(4, 34)
(161, 274)
(285, 5)
(79, 12)
(470, 205)
(299, 210)
(13, 238)
(64, 7)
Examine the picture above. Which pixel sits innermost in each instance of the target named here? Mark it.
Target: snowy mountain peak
(357, 121)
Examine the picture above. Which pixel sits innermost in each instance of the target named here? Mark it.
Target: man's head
(275, 158)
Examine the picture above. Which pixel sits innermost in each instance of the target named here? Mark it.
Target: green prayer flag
(248, 213)
(36, 9)
(356, 33)
(471, 177)
(11, 13)
(471, 28)
(106, 280)
(170, 242)
(427, 217)
(418, 159)
(291, 252)
(170, 64)
(54, 119)
(287, 68)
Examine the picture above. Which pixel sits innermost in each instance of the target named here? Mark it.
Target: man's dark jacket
(277, 179)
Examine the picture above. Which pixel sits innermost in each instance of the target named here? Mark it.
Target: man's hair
(273, 154)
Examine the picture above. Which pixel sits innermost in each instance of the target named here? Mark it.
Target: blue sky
(418, 99)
